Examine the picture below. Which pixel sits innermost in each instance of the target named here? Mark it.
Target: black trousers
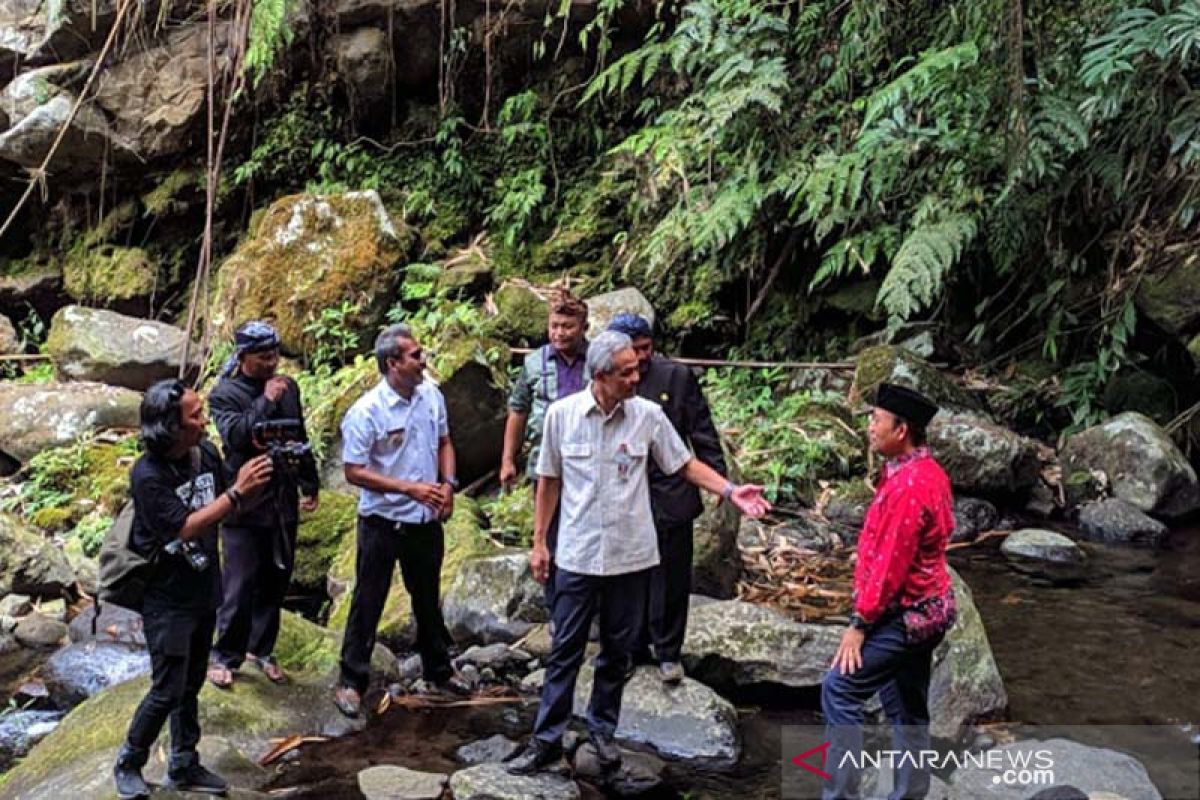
(178, 641)
(419, 548)
(254, 588)
(670, 589)
(620, 602)
(551, 545)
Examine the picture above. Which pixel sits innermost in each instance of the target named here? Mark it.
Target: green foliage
(509, 516)
(920, 266)
(67, 484)
(786, 440)
(334, 334)
(90, 531)
(269, 34)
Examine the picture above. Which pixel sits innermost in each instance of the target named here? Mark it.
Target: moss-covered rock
(319, 538)
(1171, 297)
(981, 457)
(92, 344)
(171, 193)
(68, 483)
(237, 724)
(29, 563)
(472, 379)
(521, 314)
(40, 416)
(108, 274)
(602, 308)
(892, 364)
(1143, 392)
(464, 540)
(309, 253)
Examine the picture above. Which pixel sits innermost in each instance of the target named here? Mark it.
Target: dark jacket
(674, 387)
(236, 404)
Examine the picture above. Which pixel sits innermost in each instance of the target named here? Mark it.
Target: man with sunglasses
(396, 448)
(259, 540)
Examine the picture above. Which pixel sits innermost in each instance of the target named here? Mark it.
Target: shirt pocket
(576, 450)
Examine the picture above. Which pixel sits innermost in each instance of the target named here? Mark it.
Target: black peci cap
(905, 402)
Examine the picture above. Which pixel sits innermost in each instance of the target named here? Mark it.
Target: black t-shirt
(165, 492)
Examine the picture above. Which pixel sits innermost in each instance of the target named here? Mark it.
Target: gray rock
(1114, 520)
(55, 609)
(115, 625)
(40, 632)
(972, 517)
(498, 656)
(491, 750)
(10, 340)
(688, 721)
(638, 773)
(1040, 545)
(15, 605)
(965, 683)
(93, 344)
(8, 642)
(40, 416)
(1090, 769)
(1136, 460)
(410, 668)
(494, 599)
(362, 59)
(732, 644)
(891, 364)
(982, 457)
(78, 671)
(492, 782)
(30, 564)
(470, 674)
(389, 782)
(603, 307)
(534, 681)
(21, 730)
(478, 407)
(716, 562)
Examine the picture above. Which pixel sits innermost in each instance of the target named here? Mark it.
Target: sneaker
(348, 701)
(197, 778)
(130, 784)
(670, 671)
(536, 756)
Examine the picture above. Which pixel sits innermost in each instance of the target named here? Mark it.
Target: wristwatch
(453, 481)
(858, 622)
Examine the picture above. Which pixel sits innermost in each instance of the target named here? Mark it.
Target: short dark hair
(916, 433)
(386, 346)
(159, 415)
(563, 303)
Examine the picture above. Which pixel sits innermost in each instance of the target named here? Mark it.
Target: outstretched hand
(749, 500)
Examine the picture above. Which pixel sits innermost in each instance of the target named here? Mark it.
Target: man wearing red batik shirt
(903, 599)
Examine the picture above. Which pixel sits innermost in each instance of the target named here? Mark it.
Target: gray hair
(603, 349)
(386, 346)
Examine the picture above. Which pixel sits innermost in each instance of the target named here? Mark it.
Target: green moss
(52, 519)
(304, 647)
(521, 314)
(510, 515)
(108, 273)
(108, 228)
(66, 483)
(464, 540)
(319, 537)
(164, 198)
(891, 364)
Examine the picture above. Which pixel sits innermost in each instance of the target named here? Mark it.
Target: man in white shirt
(397, 449)
(596, 445)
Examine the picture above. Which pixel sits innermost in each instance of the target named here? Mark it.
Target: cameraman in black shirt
(179, 496)
(260, 539)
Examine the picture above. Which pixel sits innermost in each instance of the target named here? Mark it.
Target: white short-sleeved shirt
(398, 438)
(605, 526)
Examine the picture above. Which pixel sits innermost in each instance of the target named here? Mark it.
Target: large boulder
(36, 107)
(972, 517)
(1134, 459)
(1093, 771)
(1114, 520)
(469, 372)
(92, 344)
(734, 644)
(521, 314)
(80, 670)
(109, 275)
(464, 542)
(982, 457)
(1045, 554)
(492, 782)
(38, 416)
(1171, 297)
(603, 307)
(494, 599)
(893, 364)
(239, 724)
(310, 253)
(29, 563)
(687, 721)
(965, 684)
(320, 538)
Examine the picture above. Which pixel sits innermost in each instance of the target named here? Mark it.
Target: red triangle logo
(823, 750)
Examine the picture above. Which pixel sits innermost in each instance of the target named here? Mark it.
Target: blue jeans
(899, 672)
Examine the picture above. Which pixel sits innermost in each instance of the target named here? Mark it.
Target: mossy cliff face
(464, 540)
(73, 761)
(310, 253)
(320, 537)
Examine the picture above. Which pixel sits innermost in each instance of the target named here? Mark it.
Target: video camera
(283, 440)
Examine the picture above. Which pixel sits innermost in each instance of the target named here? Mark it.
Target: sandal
(220, 676)
(269, 666)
